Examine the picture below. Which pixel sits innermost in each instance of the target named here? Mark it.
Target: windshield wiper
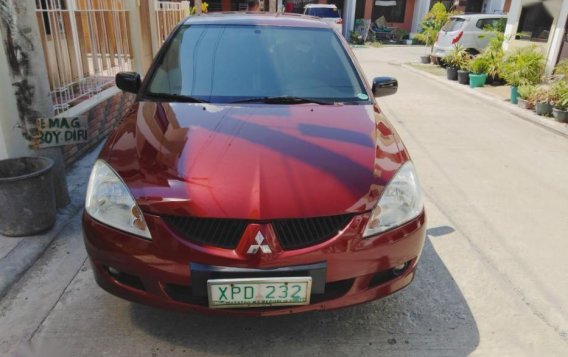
(283, 100)
(171, 97)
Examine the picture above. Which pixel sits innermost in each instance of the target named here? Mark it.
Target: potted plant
(455, 61)
(560, 110)
(464, 70)
(479, 72)
(543, 100)
(526, 96)
(522, 66)
(493, 55)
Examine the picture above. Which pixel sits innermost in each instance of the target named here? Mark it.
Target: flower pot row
(546, 99)
(465, 77)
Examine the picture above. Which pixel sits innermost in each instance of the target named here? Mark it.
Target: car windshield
(322, 11)
(226, 63)
(454, 24)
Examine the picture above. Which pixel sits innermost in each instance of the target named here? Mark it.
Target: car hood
(254, 161)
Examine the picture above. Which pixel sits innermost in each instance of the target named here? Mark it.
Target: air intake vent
(303, 232)
(224, 233)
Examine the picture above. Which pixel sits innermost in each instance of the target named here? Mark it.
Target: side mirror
(383, 86)
(128, 81)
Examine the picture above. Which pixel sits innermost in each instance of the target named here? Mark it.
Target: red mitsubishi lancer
(255, 175)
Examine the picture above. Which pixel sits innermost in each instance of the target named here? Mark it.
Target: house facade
(541, 24)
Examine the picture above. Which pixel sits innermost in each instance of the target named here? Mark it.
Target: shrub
(559, 95)
(457, 58)
(479, 65)
(543, 94)
(523, 66)
(432, 23)
(561, 69)
(527, 93)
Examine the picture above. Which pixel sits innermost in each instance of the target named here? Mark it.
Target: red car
(255, 174)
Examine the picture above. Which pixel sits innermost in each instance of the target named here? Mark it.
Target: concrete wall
(102, 118)
(24, 89)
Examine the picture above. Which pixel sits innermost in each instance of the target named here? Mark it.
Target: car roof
(256, 18)
(479, 16)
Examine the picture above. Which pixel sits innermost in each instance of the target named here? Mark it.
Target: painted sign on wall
(60, 131)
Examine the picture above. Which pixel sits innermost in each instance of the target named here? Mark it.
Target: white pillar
(12, 142)
(421, 8)
(557, 37)
(512, 21)
(348, 18)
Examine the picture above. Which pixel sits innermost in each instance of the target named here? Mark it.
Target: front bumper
(158, 272)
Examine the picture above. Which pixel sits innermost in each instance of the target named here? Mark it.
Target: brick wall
(102, 118)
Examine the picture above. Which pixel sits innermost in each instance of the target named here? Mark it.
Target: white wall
(12, 142)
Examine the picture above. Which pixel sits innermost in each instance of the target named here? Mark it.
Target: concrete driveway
(492, 279)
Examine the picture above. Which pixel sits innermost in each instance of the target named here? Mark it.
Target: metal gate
(85, 43)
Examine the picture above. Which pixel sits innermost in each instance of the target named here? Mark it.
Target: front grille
(224, 233)
(303, 232)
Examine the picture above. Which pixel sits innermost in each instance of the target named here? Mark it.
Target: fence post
(141, 34)
(152, 10)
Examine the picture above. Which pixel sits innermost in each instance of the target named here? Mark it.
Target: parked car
(327, 12)
(470, 31)
(254, 174)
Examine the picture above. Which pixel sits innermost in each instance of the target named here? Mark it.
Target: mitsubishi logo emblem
(259, 239)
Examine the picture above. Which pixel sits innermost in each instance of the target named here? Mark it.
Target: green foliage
(523, 66)
(543, 94)
(493, 54)
(479, 65)
(560, 94)
(458, 58)
(561, 69)
(498, 27)
(432, 23)
(527, 92)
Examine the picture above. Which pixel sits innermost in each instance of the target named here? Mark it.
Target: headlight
(110, 202)
(400, 202)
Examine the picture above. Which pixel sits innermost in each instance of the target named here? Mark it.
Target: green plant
(457, 58)
(527, 92)
(560, 95)
(494, 54)
(561, 69)
(543, 94)
(479, 65)
(432, 23)
(204, 9)
(525, 65)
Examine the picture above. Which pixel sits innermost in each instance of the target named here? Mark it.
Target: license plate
(256, 292)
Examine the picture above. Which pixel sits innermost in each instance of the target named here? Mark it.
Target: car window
(453, 24)
(491, 24)
(322, 11)
(225, 63)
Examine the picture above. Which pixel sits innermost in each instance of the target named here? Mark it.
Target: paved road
(492, 279)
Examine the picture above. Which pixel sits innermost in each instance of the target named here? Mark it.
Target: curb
(545, 123)
(17, 262)
(21, 258)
